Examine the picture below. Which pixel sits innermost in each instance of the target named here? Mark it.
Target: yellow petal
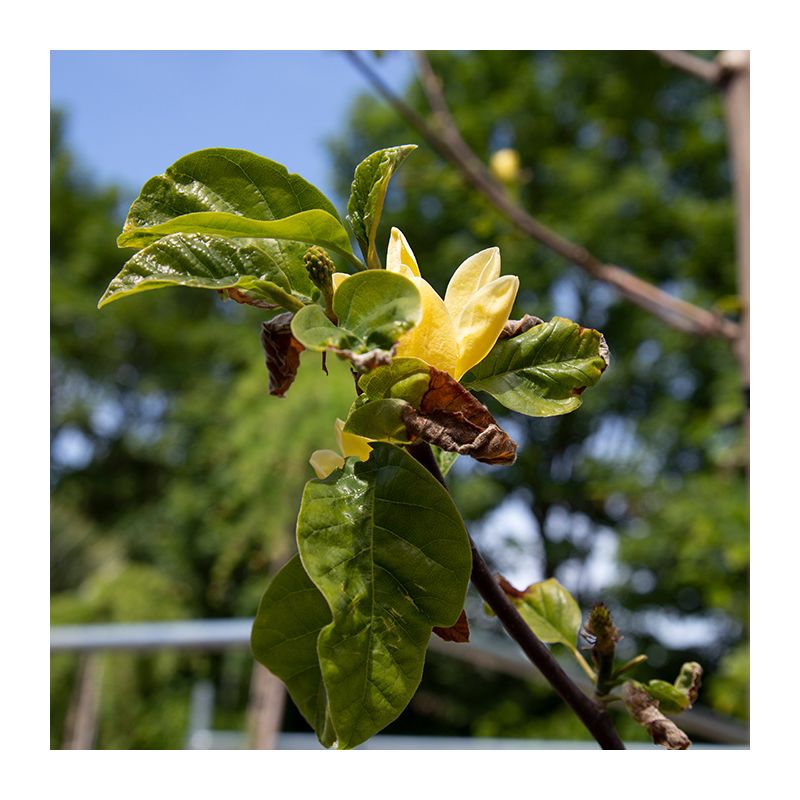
(325, 461)
(434, 338)
(472, 275)
(400, 257)
(351, 444)
(480, 323)
(338, 278)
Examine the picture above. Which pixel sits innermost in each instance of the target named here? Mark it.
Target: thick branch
(708, 71)
(448, 143)
(595, 718)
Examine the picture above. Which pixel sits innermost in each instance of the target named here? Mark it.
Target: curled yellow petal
(475, 273)
(434, 338)
(325, 461)
(400, 257)
(351, 444)
(338, 278)
(482, 320)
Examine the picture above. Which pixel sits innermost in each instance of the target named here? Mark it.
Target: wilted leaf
(385, 545)
(644, 710)
(549, 609)
(284, 639)
(373, 309)
(689, 679)
(514, 327)
(282, 353)
(455, 633)
(409, 400)
(367, 194)
(544, 370)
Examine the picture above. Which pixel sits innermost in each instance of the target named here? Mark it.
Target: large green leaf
(206, 262)
(551, 612)
(374, 309)
(543, 371)
(312, 227)
(367, 194)
(284, 639)
(387, 548)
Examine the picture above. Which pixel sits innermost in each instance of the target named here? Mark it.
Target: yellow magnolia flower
(456, 333)
(326, 461)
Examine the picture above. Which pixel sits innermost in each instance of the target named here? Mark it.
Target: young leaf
(256, 273)
(549, 609)
(544, 370)
(290, 616)
(385, 545)
(367, 194)
(670, 699)
(409, 400)
(373, 308)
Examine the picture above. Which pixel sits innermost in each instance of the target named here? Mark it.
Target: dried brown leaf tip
(459, 632)
(514, 327)
(509, 590)
(452, 418)
(232, 293)
(644, 710)
(282, 352)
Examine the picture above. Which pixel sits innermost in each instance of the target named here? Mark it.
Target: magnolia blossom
(350, 444)
(456, 333)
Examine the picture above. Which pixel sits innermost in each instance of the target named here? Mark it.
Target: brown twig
(708, 71)
(595, 718)
(445, 139)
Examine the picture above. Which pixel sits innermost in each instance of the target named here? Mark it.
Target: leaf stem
(584, 665)
(592, 715)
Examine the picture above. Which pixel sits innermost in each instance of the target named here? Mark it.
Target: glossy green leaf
(205, 262)
(551, 612)
(367, 194)
(311, 227)
(405, 378)
(385, 545)
(374, 309)
(444, 459)
(379, 420)
(290, 616)
(543, 371)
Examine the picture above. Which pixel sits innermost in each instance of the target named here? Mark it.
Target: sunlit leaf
(367, 194)
(544, 370)
(385, 545)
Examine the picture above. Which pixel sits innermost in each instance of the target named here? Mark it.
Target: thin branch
(708, 71)
(448, 143)
(596, 719)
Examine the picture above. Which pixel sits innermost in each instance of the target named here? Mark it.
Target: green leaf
(206, 262)
(444, 459)
(543, 371)
(379, 420)
(551, 612)
(671, 700)
(373, 308)
(367, 194)
(387, 548)
(312, 227)
(284, 639)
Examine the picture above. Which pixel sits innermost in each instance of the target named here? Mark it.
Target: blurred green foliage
(176, 478)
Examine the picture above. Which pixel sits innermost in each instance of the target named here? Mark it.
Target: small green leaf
(206, 262)
(284, 639)
(551, 612)
(387, 548)
(671, 700)
(543, 371)
(367, 194)
(373, 308)
(444, 459)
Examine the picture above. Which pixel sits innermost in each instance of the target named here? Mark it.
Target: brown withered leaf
(514, 327)
(454, 419)
(282, 352)
(458, 632)
(365, 362)
(509, 590)
(644, 710)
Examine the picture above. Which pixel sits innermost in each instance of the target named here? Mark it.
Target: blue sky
(130, 114)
